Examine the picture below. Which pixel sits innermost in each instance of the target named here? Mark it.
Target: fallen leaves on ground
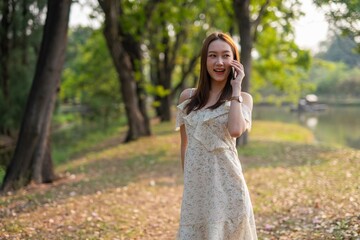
(133, 191)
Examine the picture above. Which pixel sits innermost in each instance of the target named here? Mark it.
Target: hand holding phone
(237, 70)
(233, 73)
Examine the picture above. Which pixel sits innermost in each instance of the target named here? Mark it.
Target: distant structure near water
(310, 103)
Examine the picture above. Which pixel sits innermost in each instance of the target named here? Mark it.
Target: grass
(76, 139)
(83, 135)
(299, 189)
(2, 173)
(280, 132)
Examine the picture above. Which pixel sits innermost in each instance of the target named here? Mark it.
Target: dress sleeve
(247, 115)
(180, 114)
(179, 119)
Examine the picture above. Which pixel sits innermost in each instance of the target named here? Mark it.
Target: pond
(339, 125)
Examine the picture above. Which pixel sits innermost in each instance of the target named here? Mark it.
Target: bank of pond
(336, 125)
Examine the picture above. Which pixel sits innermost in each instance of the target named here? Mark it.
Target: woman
(216, 202)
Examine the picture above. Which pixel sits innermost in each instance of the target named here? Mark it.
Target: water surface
(339, 125)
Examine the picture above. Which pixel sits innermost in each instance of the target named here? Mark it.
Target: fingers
(239, 68)
(237, 65)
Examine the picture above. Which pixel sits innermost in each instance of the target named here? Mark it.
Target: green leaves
(20, 36)
(90, 78)
(335, 79)
(280, 66)
(344, 15)
(157, 90)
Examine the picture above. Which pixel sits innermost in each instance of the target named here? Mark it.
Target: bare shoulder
(186, 94)
(248, 100)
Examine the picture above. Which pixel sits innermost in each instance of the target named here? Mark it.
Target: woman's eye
(226, 56)
(212, 55)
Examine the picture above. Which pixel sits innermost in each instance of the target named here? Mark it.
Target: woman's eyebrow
(217, 52)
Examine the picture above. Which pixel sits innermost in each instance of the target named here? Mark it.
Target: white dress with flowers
(216, 203)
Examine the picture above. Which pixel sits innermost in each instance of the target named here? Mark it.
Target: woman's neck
(217, 88)
(215, 92)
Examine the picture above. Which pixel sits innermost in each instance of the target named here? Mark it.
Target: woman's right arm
(183, 144)
(183, 96)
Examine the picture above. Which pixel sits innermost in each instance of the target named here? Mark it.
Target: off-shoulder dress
(216, 202)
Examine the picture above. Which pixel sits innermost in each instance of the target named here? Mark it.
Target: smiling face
(218, 51)
(219, 56)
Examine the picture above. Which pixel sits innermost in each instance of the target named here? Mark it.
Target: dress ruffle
(204, 131)
(180, 114)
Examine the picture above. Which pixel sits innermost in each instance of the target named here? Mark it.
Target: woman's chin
(219, 78)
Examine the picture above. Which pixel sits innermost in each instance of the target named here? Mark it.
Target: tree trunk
(165, 67)
(165, 106)
(165, 81)
(47, 173)
(143, 108)
(122, 60)
(32, 158)
(41, 155)
(242, 14)
(24, 39)
(164, 71)
(4, 49)
(133, 49)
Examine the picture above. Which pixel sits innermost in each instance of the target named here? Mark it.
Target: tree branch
(185, 74)
(257, 21)
(180, 38)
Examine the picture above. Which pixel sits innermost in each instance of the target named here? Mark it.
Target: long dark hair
(201, 96)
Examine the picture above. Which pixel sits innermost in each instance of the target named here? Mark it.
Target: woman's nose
(219, 61)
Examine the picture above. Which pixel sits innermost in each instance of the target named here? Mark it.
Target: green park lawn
(300, 189)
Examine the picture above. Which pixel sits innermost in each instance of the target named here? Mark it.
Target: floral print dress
(216, 203)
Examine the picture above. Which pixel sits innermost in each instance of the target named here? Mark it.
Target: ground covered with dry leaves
(299, 189)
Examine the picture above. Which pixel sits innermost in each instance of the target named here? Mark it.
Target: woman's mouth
(219, 71)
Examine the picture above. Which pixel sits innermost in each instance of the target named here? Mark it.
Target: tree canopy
(20, 34)
(340, 49)
(344, 15)
(89, 78)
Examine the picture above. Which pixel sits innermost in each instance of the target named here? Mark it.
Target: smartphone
(233, 73)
